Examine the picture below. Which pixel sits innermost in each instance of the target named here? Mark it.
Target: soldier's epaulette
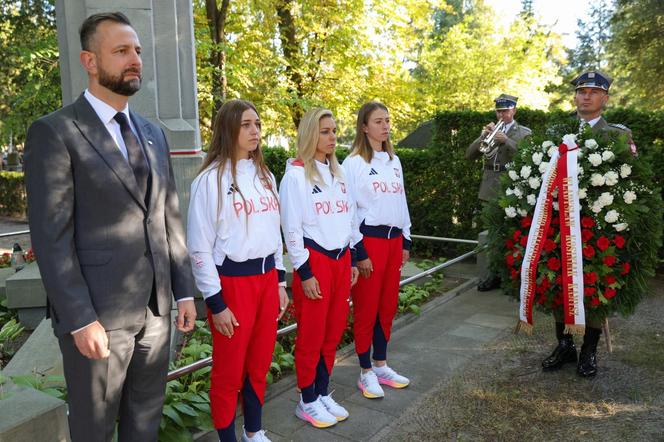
(620, 126)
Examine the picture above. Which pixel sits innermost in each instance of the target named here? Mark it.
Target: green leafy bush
(12, 194)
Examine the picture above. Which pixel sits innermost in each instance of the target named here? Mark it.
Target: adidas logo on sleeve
(231, 189)
(316, 189)
(373, 172)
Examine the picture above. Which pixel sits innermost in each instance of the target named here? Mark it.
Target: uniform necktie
(135, 154)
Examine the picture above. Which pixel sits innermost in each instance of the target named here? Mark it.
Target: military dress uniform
(494, 165)
(566, 350)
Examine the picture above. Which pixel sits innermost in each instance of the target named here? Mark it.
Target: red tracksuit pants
(320, 322)
(377, 295)
(254, 300)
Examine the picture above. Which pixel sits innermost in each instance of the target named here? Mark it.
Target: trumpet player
(497, 144)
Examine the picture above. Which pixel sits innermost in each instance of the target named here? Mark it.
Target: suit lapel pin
(149, 141)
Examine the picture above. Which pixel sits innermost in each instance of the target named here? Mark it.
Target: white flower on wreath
(510, 212)
(522, 212)
(555, 205)
(597, 179)
(534, 182)
(610, 178)
(629, 197)
(596, 207)
(595, 159)
(509, 191)
(583, 192)
(551, 151)
(607, 155)
(547, 144)
(580, 171)
(513, 175)
(620, 227)
(518, 192)
(591, 143)
(525, 172)
(569, 140)
(625, 170)
(611, 216)
(605, 199)
(543, 166)
(532, 199)
(537, 158)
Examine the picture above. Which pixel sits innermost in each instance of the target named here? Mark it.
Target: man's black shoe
(587, 366)
(489, 283)
(564, 353)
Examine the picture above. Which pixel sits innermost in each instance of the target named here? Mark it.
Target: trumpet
(487, 144)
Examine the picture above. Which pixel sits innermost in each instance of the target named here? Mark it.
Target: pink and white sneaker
(389, 377)
(315, 413)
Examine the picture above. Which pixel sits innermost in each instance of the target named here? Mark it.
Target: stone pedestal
(168, 94)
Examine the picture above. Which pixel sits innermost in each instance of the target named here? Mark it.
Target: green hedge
(12, 194)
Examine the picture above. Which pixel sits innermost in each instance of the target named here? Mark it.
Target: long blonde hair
(223, 147)
(308, 133)
(361, 145)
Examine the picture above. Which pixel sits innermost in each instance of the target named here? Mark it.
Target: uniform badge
(343, 187)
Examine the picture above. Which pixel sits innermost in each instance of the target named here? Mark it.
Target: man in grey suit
(107, 233)
(506, 142)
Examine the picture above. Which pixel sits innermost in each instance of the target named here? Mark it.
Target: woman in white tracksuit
(317, 214)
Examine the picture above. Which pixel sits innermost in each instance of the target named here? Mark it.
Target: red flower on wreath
(586, 235)
(516, 235)
(609, 279)
(625, 268)
(550, 245)
(588, 251)
(514, 274)
(509, 259)
(589, 291)
(590, 278)
(609, 293)
(609, 260)
(550, 231)
(619, 241)
(594, 301)
(523, 241)
(553, 264)
(509, 244)
(526, 222)
(587, 222)
(555, 221)
(603, 243)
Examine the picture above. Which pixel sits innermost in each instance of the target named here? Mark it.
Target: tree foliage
(637, 52)
(29, 73)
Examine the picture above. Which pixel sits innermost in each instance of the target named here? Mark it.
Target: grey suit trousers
(134, 373)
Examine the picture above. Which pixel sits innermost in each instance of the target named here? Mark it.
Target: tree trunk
(216, 18)
(291, 48)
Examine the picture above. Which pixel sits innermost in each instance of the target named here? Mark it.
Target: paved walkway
(449, 333)
(13, 225)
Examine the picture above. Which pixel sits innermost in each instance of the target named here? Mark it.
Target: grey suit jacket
(494, 167)
(98, 245)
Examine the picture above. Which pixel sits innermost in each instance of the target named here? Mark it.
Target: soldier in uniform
(590, 97)
(495, 159)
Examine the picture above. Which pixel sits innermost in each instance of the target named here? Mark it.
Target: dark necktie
(135, 154)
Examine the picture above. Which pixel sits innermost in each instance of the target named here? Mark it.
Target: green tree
(29, 73)
(637, 53)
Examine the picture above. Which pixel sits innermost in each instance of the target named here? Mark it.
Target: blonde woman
(316, 216)
(236, 254)
(375, 178)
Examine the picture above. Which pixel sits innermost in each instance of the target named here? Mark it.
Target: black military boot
(587, 366)
(565, 351)
(492, 281)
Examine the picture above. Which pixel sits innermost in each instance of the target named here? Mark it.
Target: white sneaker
(315, 413)
(368, 384)
(390, 377)
(336, 410)
(259, 436)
